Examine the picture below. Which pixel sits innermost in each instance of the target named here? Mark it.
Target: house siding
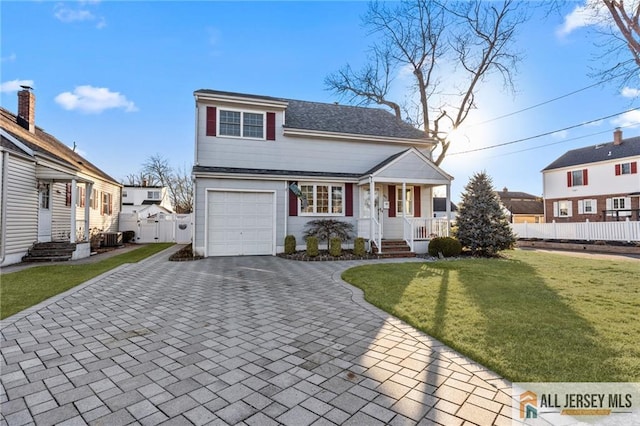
(21, 209)
(308, 154)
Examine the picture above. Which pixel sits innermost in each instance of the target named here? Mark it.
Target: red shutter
(634, 167)
(293, 203)
(348, 199)
(618, 170)
(568, 178)
(585, 177)
(392, 201)
(211, 121)
(271, 126)
(67, 201)
(416, 202)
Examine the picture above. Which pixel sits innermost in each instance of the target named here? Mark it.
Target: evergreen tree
(483, 227)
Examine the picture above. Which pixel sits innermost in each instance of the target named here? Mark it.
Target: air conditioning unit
(112, 239)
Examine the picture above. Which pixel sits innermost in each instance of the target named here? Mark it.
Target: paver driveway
(237, 340)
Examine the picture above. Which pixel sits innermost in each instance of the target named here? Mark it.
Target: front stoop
(54, 251)
(394, 249)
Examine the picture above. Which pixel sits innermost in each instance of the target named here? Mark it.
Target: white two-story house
(145, 200)
(264, 167)
(597, 183)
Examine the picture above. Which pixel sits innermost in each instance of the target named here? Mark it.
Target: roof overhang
(239, 99)
(47, 173)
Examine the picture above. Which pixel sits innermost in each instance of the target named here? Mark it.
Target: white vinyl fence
(587, 231)
(164, 228)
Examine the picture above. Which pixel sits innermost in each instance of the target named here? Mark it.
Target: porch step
(394, 249)
(50, 252)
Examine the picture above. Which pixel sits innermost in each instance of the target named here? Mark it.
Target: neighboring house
(146, 201)
(521, 207)
(440, 208)
(265, 167)
(596, 183)
(48, 192)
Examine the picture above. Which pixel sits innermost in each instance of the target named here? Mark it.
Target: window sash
(576, 178)
(625, 168)
(241, 124)
(323, 199)
(408, 201)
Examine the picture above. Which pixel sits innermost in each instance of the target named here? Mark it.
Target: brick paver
(259, 340)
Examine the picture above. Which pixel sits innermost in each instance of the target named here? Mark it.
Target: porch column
(74, 200)
(448, 209)
(404, 199)
(87, 211)
(371, 213)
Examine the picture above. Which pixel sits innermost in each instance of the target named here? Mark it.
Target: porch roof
(409, 166)
(47, 173)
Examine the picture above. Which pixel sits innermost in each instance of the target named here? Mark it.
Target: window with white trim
(619, 206)
(408, 207)
(106, 204)
(153, 195)
(80, 193)
(576, 178)
(562, 208)
(241, 124)
(319, 199)
(588, 206)
(625, 168)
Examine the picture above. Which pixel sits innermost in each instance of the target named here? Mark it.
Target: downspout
(286, 208)
(3, 224)
(371, 214)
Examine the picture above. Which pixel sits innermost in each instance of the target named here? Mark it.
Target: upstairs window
(626, 168)
(577, 178)
(153, 195)
(241, 124)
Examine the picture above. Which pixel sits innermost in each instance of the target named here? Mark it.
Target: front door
(44, 213)
(378, 204)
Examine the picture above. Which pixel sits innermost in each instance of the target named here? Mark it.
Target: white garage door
(240, 223)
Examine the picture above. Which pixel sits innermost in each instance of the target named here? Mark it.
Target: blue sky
(117, 78)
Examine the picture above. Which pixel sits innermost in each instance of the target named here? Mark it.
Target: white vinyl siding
(21, 207)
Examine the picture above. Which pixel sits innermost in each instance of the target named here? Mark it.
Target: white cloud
(89, 99)
(9, 58)
(629, 92)
(590, 13)
(68, 15)
(628, 119)
(14, 85)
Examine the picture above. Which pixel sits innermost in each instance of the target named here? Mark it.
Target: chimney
(617, 136)
(144, 182)
(27, 109)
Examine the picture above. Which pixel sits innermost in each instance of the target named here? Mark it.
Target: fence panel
(588, 231)
(164, 228)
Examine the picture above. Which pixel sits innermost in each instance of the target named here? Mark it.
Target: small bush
(446, 245)
(290, 244)
(312, 246)
(335, 246)
(128, 236)
(358, 247)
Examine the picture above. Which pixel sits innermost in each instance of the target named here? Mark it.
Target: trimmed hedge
(290, 244)
(312, 247)
(335, 246)
(445, 247)
(358, 247)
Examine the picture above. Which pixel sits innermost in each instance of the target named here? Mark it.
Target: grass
(530, 316)
(23, 289)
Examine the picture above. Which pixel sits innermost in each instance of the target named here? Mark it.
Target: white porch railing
(423, 228)
(589, 231)
(408, 232)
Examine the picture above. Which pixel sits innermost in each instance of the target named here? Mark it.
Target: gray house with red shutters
(266, 166)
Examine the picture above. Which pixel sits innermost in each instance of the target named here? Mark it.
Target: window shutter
(271, 126)
(580, 206)
(416, 202)
(67, 200)
(211, 121)
(618, 170)
(348, 202)
(594, 206)
(293, 202)
(609, 206)
(570, 208)
(568, 178)
(556, 210)
(392, 201)
(585, 177)
(634, 167)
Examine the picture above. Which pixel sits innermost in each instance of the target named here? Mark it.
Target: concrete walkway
(236, 340)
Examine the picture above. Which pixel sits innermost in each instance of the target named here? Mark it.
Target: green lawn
(23, 289)
(530, 317)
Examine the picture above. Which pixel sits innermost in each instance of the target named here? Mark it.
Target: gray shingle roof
(593, 154)
(336, 118)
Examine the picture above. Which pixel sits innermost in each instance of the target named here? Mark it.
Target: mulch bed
(185, 254)
(325, 256)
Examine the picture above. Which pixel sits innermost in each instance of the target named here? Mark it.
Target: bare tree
(448, 48)
(139, 179)
(178, 182)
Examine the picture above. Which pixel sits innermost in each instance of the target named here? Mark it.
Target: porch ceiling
(47, 173)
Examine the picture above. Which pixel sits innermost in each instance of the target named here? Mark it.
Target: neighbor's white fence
(589, 231)
(164, 228)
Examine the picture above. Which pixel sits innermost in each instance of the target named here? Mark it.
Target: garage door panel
(240, 223)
